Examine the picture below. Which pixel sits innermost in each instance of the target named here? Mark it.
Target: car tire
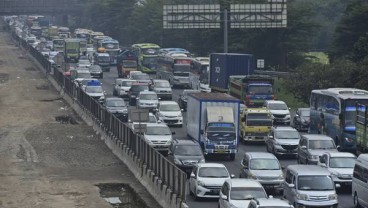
(356, 201)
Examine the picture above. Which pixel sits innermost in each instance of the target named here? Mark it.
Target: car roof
(148, 92)
(113, 98)
(243, 182)
(254, 155)
(274, 202)
(210, 165)
(275, 101)
(316, 137)
(309, 169)
(340, 154)
(363, 157)
(168, 102)
(160, 80)
(283, 128)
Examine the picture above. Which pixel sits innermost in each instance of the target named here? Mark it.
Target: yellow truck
(255, 124)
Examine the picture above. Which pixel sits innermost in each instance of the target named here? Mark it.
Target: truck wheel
(356, 201)
(232, 156)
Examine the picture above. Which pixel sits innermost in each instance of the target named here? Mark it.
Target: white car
(158, 136)
(162, 88)
(96, 92)
(84, 63)
(340, 165)
(147, 100)
(169, 113)
(237, 193)
(280, 111)
(207, 179)
(122, 87)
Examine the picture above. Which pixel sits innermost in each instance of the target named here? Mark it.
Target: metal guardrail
(170, 175)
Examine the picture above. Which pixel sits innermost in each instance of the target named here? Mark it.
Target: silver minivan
(359, 187)
(309, 186)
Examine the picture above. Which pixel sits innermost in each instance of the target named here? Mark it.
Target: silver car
(283, 140)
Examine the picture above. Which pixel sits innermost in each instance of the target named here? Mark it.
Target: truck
(72, 49)
(213, 121)
(127, 61)
(255, 124)
(253, 90)
(223, 65)
(103, 60)
(361, 125)
(53, 32)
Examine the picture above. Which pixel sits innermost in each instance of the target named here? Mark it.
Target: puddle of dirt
(51, 100)
(120, 196)
(43, 87)
(65, 119)
(30, 69)
(4, 77)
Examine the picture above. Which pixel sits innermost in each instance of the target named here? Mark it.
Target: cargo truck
(213, 121)
(253, 90)
(72, 49)
(223, 65)
(361, 124)
(127, 61)
(255, 124)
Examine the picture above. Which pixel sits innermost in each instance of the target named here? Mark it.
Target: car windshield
(115, 103)
(169, 107)
(305, 113)
(84, 62)
(103, 58)
(342, 162)
(278, 106)
(188, 150)
(148, 97)
(315, 183)
(321, 144)
(126, 83)
(287, 134)
(141, 77)
(152, 119)
(264, 164)
(247, 193)
(213, 172)
(94, 89)
(139, 87)
(129, 63)
(162, 84)
(158, 130)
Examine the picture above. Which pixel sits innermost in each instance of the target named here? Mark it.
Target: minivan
(309, 186)
(359, 187)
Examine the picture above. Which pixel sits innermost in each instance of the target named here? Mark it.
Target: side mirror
(270, 137)
(192, 175)
(173, 133)
(159, 98)
(291, 185)
(169, 153)
(323, 165)
(224, 197)
(338, 185)
(232, 176)
(182, 110)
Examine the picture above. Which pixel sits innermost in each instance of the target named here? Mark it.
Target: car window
(342, 162)
(321, 144)
(148, 96)
(188, 150)
(315, 183)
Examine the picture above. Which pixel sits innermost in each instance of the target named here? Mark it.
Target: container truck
(223, 65)
(127, 61)
(253, 90)
(72, 49)
(213, 121)
(361, 123)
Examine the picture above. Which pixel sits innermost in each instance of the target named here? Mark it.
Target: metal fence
(166, 171)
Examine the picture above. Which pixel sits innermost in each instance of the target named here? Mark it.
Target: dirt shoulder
(45, 163)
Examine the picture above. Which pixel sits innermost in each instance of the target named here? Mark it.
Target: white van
(359, 187)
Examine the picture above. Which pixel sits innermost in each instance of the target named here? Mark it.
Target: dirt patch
(30, 69)
(66, 119)
(43, 87)
(4, 77)
(1, 62)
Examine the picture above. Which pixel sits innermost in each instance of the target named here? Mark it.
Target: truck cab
(255, 124)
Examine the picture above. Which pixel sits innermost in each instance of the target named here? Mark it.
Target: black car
(184, 97)
(134, 91)
(117, 106)
(96, 71)
(302, 119)
(185, 154)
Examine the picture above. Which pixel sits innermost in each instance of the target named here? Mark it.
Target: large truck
(127, 61)
(213, 121)
(255, 124)
(361, 125)
(72, 49)
(223, 65)
(253, 90)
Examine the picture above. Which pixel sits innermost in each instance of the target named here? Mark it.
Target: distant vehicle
(312, 146)
(340, 109)
(263, 167)
(72, 49)
(341, 166)
(103, 60)
(280, 111)
(127, 61)
(207, 179)
(162, 89)
(301, 119)
(283, 140)
(141, 78)
(83, 83)
(360, 178)
(96, 71)
(79, 75)
(134, 91)
(96, 92)
(117, 106)
(84, 63)
(122, 87)
(135, 125)
(269, 203)
(309, 186)
(185, 154)
(237, 193)
(255, 124)
(147, 55)
(158, 136)
(112, 48)
(183, 98)
(174, 69)
(169, 113)
(147, 100)
(58, 44)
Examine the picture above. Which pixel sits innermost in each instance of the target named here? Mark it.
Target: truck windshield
(129, 64)
(260, 89)
(71, 51)
(103, 58)
(181, 74)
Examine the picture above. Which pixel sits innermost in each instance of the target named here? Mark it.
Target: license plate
(215, 191)
(221, 151)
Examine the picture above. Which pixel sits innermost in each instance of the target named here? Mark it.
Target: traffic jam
(219, 120)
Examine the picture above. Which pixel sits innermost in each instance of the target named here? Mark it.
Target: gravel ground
(45, 163)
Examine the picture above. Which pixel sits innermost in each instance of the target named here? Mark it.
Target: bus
(58, 44)
(333, 113)
(147, 54)
(112, 48)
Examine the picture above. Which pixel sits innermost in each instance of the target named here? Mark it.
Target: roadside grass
(320, 57)
(282, 93)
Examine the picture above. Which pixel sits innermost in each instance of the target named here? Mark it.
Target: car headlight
(281, 176)
(313, 157)
(332, 197)
(177, 161)
(202, 161)
(200, 183)
(302, 197)
(349, 139)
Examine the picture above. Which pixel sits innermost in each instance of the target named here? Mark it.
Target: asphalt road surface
(345, 198)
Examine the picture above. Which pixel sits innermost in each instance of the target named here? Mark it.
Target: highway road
(345, 198)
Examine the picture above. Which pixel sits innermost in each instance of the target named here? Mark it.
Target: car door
(223, 192)
(193, 179)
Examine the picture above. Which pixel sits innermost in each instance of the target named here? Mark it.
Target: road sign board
(139, 115)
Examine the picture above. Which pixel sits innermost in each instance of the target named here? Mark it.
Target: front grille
(96, 97)
(170, 121)
(318, 198)
(279, 116)
(221, 147)
(289, 147)
(190, 162)
(156, 142)
(259, 134)
(267, 178)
